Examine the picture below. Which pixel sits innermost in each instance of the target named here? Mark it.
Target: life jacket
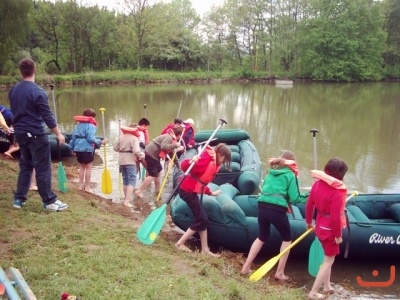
(209, 174)
(85, 119)
(291, 164)
(130, 130)
(337, 184)
(146, 134)
(163, 153)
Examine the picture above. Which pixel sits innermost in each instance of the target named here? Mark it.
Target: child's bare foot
(245, 271)
(8, 155)
(182, 247)
(281, 277)
(128, 204)
(81, 187)
(89, 190)
(208, 252)
(139, 194)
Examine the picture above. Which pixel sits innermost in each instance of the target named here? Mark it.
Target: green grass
(91, 251)
(137, 77)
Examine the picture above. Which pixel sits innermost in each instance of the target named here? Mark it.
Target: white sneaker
(56, 206)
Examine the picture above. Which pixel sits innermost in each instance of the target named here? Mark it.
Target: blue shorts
(128, 174)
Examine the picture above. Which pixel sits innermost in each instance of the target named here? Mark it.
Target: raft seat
(356, 215)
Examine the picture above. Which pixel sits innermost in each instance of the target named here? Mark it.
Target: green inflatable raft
(374, 221)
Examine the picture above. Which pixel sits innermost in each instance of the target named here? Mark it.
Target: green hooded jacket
(281, 186)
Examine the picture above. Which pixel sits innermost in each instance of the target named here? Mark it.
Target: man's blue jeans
(35, 154)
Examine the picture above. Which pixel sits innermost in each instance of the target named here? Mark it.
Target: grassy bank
(90, 250)
(137, 77)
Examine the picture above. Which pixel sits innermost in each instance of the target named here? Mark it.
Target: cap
(189, 121)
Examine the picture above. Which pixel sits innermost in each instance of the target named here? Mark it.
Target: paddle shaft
(104, 135)
(314, 134)
(145, 108)
(222, 122)
(265, 268)
(54, 102)
(179, 109)
(168, 169)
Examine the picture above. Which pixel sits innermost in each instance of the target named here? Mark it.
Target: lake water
(356, 122)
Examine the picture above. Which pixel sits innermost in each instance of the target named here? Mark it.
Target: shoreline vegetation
(139, 77)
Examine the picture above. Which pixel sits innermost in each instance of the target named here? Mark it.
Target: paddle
(171, 162)
(316, 252)
(265, 268)
(106, 183)
(61, 176)
(119, 170)
(179, 109)
(142, 173)
(151, 227)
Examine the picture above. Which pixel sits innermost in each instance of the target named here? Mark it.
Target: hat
(189, 121)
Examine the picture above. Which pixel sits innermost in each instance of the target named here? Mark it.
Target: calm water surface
(357, 122)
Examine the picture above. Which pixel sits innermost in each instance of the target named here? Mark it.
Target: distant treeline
(333, 40)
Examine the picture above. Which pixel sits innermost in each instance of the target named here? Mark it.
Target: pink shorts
(328, 241)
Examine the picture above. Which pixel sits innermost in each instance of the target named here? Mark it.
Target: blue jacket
(7, 114)
(30, 107)
(84, 138)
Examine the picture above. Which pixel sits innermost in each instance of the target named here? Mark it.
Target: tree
(13, 24)
(392, 51)
(344, 41)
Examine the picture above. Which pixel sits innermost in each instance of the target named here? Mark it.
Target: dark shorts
(84, 157)
(278, 218)
(154, 166)
(200, 216)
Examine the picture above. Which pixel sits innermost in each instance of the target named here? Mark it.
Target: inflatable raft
(374, 221)
(65, 151)
(245, 171)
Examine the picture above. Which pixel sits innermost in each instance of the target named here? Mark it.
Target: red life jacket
(164, 153)
(85, 119)
(209, 174)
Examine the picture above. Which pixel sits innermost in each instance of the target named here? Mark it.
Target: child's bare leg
(204, 244)
(81, 185)
(128, 195)
(88, 175)
(145, 183)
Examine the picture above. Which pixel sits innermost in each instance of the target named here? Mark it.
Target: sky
(201, 6)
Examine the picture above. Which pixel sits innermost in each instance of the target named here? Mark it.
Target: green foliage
(340, 40)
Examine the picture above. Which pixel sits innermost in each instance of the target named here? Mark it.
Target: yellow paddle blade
(106, 182)
(265, 268)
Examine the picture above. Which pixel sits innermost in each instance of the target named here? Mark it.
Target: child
(83, 143)
(328, 197)
(143, 132)
(177, 122)
(129, 150)
(205, 168)
(188, 137)
(280, 188)
(155, 150)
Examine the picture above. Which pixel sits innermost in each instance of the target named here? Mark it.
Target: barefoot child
(83, 144)
(205, 168)
(129, 152)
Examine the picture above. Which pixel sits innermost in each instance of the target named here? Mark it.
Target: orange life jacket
(146, 134)
(210, 172)
(130, 130)
(85, 119)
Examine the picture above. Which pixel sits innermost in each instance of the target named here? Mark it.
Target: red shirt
(329, 203)
(189, 183)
